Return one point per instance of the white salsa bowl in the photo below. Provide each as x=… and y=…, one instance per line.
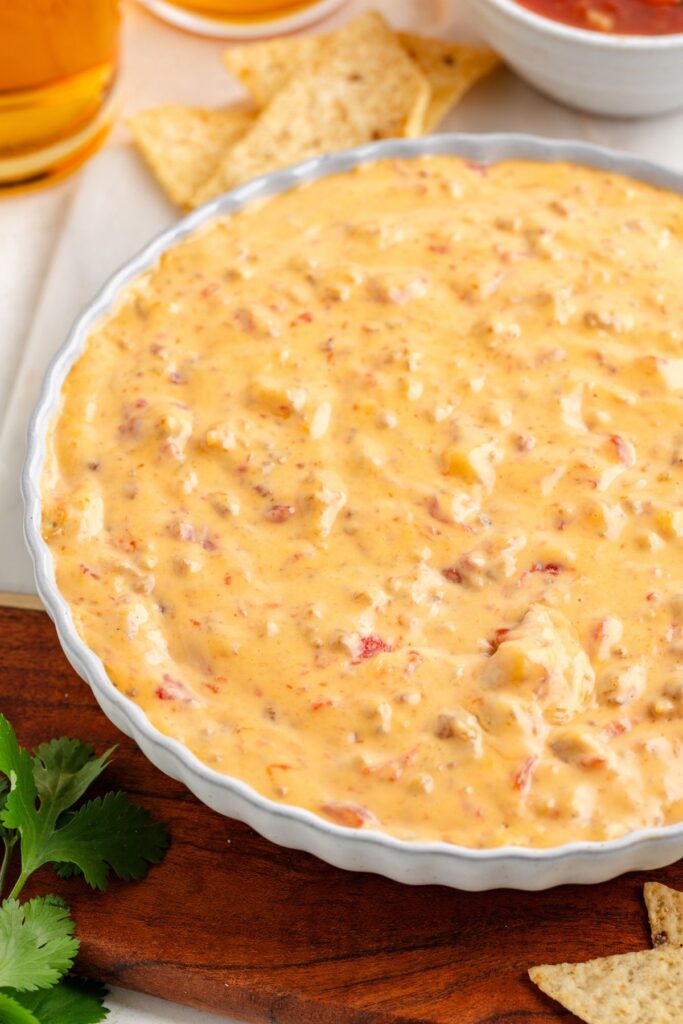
x=353, y=849
x=601, y=72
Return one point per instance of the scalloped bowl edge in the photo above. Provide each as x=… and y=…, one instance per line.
x=290, y=826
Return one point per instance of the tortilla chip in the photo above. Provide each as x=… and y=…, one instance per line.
x=263, y=68
x=183, y=145
x=450, y=69
x=665, y=911
x=632, y=988
x=360, y=86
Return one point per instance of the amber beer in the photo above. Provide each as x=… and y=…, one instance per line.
x=57, y=67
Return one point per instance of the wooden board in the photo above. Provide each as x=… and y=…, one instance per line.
x=232, y=923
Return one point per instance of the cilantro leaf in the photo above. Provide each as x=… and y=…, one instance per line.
x=75, y=1001
x=36, y=943
x=5, y=833
x=109, y=832
x=19, y=811
x=102, y=834
x=63, y=770
x=12, y=1012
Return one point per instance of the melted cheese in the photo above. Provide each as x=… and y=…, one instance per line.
x=372, y=496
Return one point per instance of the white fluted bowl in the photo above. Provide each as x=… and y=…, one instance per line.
x=601, y=72
x=357, y=850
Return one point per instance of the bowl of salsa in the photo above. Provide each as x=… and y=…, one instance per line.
x=619, y=17
x=620, y=58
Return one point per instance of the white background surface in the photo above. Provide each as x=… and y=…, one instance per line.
x=58, y=246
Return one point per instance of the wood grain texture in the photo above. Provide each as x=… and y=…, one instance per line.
x=231, y=923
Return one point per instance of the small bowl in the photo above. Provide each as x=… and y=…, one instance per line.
x=616, y=75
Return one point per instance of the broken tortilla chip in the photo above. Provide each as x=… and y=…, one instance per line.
x=450, y=69
x=665, y=911
x=360, y=86
x=631, y=988
x=183, y=145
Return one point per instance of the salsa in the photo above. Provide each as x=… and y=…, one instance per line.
x=627, y=17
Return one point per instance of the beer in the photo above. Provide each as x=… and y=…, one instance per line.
x=57, y=67
x=244, y=10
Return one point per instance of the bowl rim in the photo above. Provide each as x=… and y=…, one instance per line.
x=484, y=148
x=584, y=36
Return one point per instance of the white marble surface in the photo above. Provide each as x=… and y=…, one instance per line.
x=58, y=246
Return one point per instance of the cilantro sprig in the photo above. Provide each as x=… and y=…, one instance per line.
x=42, y=816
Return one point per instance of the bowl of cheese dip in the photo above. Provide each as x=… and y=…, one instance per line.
x=357, y=498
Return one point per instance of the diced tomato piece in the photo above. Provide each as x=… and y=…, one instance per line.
x=498, y=638
x=349, y=815
x=372, y=645
x=552, y=568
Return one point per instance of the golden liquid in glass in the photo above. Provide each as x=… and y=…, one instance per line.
x=57, y=66
x=243, y=10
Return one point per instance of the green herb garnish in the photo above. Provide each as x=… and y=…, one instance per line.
x=38, y=816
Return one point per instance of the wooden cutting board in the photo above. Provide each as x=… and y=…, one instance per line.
x=231, y=923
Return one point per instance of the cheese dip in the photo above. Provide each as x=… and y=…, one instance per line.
x=372, y=496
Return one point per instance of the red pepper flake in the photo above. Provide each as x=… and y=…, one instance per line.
x=616, y=728
x=212, y=687
x=279, y=513
x=552, y=568
x=209, y=545
x=452, y=574
x=521, y=779
x=173, y=689
x=439, y=247
x=141, y=403
x=625, y=450
x=209, y=290
x=595, y=761
x=227, y=579
x=87, y=571
x=498, y=638
x=316, y=705
x=302, y=318
x=195, y=622
x=652, y=596
x=370, y=646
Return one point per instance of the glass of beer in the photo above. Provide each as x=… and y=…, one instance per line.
x=241, y=19
x=58, y=63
